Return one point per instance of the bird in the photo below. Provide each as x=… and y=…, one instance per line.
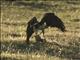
x=48, y=20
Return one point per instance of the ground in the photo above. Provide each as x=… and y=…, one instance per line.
x=57, y=46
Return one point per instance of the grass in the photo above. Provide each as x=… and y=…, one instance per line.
x=58, y=45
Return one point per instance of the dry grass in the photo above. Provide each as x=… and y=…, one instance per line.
x=58, y=45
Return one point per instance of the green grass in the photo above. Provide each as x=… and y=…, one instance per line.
x=58, y=45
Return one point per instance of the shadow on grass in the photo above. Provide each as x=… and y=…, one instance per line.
x=8, y=58
x=51, y=49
